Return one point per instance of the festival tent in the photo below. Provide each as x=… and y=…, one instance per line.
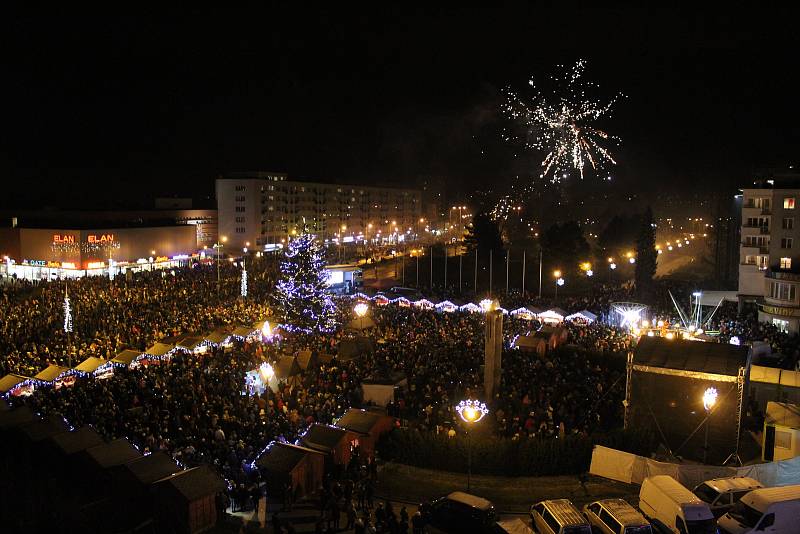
x=243, y=332
x=10, y=383
x=583, y=315
x=52, y=373
x=159, y=349
x=284, y=464
x=381, y=300
x=425, y=304
x=553, y=316
x=370, y=425
x=191, y=344
x=447, y=306
x=380, y=390
x=287, y=370
x=336, y=443
x=218, y=336
x=470, y=307
x=92, y=365
x=350, y=349
x=69, y=443
x=126, y=357
x=186, y=501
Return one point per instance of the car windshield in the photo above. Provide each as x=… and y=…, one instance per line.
x=644, y=529
x=745, y=515
x=702, y=526
x=706, y=493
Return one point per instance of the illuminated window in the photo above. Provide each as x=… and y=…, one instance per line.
x=788, y=203
x=782, y=325
x=786, y=263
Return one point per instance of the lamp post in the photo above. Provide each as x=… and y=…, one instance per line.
x=267, y=372
x=470, y=411
x=218, y=246
x=558, y=281
x=360, y=310
x=709, y=400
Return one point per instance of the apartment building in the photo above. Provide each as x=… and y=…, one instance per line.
x=265, y=209
x=769, y=254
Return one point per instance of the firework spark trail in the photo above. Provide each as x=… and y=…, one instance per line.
x=560, y=124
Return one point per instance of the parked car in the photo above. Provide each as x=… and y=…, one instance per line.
x=459, y=512
x=558, y=516
x=765, y=510
x=616, y=516
x=722, y=493
x=671, y=507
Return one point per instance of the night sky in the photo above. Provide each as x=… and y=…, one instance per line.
x=109, y=111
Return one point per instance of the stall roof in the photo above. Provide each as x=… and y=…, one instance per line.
x=189, y=343
x=195, y=483
x=218, y=336
x=583, y=314
x=283, y=457
x=323, y=437
x=350, y=349
x=117, y=452
x=76, y=441
x=306, y=358
x=9, y=382
x=19, y=416
x=392, y=379
x=244, y=331
x=126, y=357
x=90, y=364
x=159, y=349
x=697, y=356
x=41, y=430
x=783, y=414
x=152, y=467
x=287, y=366
x=51, y=372
x=360, y=421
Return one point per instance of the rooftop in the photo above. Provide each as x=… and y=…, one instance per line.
x=697, y=356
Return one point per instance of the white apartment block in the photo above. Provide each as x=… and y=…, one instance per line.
x=267, y=209
x=769, y=255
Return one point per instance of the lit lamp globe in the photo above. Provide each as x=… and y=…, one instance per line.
x=360, y=309
x=471, y=411
x=266, y=330
x=487, y=305
x=266, y=371
x=710, y=399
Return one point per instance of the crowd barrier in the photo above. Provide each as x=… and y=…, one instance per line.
x=633, y=469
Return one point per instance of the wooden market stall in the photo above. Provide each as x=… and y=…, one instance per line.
x=283, y=464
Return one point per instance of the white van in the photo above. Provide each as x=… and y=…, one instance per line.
x=672, y=508
x=766, y=510
x=722, y=493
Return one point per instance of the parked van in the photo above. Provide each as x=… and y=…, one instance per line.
x=765, y=510
x=459, y=512
x=616, y=516
x=673, y=508
x=722, y=493
x=558, y=516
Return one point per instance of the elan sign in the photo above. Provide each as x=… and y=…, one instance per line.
x=102, y=238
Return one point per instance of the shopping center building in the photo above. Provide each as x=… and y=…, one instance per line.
x=53, y=253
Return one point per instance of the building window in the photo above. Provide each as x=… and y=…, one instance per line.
x=788, y=223
x=786, y=242
x=241, y=188
x=239, y=209
x=788, y=203
x=763, y=262
x=239, y=230
x=786, y=263
x=782, y=291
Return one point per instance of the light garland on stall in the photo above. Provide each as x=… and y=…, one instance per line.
x=67, y=313
x=243, y=289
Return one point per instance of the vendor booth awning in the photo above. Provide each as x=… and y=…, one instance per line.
x=306, y=358
x=126, y=357
x=583, y=315
x=152, y=467
x=76, y=441
x=159, y=349
x=90, y=364
x=190, y=343
x=51, y=373
x=111, y=454
x=287, y=367
x=47, y=427
x=218, y=336
x=245, y=331
x=323, y=438
x=9, y=382
x=552, y=315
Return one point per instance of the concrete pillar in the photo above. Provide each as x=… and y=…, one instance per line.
x=493, y=353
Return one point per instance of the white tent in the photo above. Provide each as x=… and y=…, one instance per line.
x=583, y=315
x=447, y=306
x=470, y=307
x=553, y=316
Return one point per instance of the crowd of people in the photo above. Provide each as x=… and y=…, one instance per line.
x=195, y=406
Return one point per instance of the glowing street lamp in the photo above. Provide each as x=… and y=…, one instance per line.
x=559, y=281
x=267, y=372
x=266, y=331
x=470, y=411
x=709, y=401
x=487, y=305
x=360, y=310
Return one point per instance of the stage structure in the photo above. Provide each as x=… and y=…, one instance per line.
x=630, y=313
x=668, y=381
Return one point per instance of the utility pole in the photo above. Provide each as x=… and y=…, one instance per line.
x=540, y=271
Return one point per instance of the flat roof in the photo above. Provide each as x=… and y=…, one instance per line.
x=360, y=421
x=76, y=441
x=152, y=467
x=685, y=355
x=114, y=453
x=323, y=437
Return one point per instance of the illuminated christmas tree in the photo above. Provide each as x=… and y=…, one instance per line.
x=301, y=295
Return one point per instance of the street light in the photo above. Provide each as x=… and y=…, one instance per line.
x=361, y=310
x=218, y=245
x=487, y=305
x=558, y=279
x=709, y=400
x=470, y=411
x=267, y=372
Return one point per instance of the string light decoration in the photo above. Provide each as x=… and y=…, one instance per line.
x=244, y=281
x=67, y=312
x=301, y=294
x=559, y=123
x=471, y=411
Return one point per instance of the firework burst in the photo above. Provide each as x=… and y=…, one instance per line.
x=560, y=124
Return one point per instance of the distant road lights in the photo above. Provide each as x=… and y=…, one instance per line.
x=557, y=274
